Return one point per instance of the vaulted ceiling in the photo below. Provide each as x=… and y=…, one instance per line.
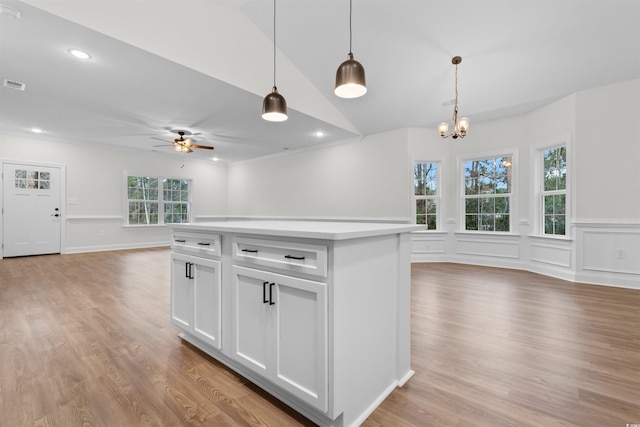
x=205, y=65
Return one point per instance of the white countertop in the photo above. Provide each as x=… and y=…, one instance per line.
x=328, y=230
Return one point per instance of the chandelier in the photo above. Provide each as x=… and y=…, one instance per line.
x=461, y=126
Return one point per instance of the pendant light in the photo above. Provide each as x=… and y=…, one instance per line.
x=350, y=81
x=461, y=126
x=274, y=106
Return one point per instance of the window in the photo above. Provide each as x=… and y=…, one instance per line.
x=148, y=197
x=32, y=180
x=487, y=194
x=554, y=191
x=425, y=183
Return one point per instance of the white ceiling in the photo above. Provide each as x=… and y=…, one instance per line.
x=517, y=55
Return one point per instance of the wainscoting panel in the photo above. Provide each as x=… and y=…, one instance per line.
x=613, y=251
x=557, y=254
x=488, y=246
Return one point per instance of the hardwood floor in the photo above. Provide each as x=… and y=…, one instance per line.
x=86, y=340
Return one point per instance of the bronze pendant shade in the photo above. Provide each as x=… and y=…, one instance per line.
x=274, y=107
x=350, y=79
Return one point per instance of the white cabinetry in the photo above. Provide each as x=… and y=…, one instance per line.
x=280, y=331
x=196, y=296
x=317, y=314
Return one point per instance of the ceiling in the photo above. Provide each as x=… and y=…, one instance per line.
x=205, y=65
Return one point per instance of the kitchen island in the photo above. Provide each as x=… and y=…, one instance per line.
x=315, y=313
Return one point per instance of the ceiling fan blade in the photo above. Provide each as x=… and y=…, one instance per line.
x=206, y=147
x=160, y=139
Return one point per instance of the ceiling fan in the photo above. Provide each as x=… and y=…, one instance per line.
x=185, y=145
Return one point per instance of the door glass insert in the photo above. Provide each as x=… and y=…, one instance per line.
x=32, y=179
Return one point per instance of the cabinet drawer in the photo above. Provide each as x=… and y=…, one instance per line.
x=198, y=244
x=287, y=256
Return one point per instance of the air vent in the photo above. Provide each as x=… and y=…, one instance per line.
x=12, y=84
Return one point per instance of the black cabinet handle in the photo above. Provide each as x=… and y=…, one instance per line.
x=180, y=241
x=204, y=244
x=253, y=251
x=264, y=292
x=271, y=293
x=300, y=258
x=188, y=270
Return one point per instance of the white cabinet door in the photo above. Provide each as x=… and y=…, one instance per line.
x=196, y=297
x=181, y=292
x=300, y=339
x=207, y=305
x=280, y=331
x=251, y=317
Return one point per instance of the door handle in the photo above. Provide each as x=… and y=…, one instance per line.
x=271, y=293
x=264, y=292
x=56, y=215
x=188, y=270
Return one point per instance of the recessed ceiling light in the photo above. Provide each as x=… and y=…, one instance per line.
x=215, y=159
x=319, y=134
x=80, y=54
x=36, y=130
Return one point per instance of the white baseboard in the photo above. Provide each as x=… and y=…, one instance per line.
x=116, y=247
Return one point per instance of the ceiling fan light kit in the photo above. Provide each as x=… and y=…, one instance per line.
x=350, y=78
x=460, y=127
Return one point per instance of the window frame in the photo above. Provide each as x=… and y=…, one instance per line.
x=161, y=201
x=437, y=197
x=539, y=191
x=512, y=197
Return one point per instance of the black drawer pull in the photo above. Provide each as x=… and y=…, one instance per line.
x=300, y=258
x=203, y=244
x=253, y=251
x=180, y=241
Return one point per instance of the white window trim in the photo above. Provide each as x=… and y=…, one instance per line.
x=439, y=192
x=537, y=167
x=160, y=176
x=514, y=198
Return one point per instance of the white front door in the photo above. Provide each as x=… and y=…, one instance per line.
x=32, y=208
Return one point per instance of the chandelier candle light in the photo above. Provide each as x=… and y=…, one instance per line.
x=274, y=106
x=461, y=126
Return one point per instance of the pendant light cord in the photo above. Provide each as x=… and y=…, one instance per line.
x=350, y=31
x=274, y=44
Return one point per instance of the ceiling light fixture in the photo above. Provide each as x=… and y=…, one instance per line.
x=36, y=130
x=274, y=106
x=350, y=80
x=80, y=54
x=459, y=127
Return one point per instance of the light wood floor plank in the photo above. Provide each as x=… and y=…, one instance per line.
x=86, y=340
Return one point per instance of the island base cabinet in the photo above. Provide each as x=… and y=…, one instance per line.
x=196, y=297
x=280, y=331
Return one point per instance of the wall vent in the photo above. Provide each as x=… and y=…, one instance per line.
x=12, y=84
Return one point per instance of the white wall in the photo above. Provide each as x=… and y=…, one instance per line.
x=95, y=189
x=367, y=179
x=602, y=246
x=370, y=179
